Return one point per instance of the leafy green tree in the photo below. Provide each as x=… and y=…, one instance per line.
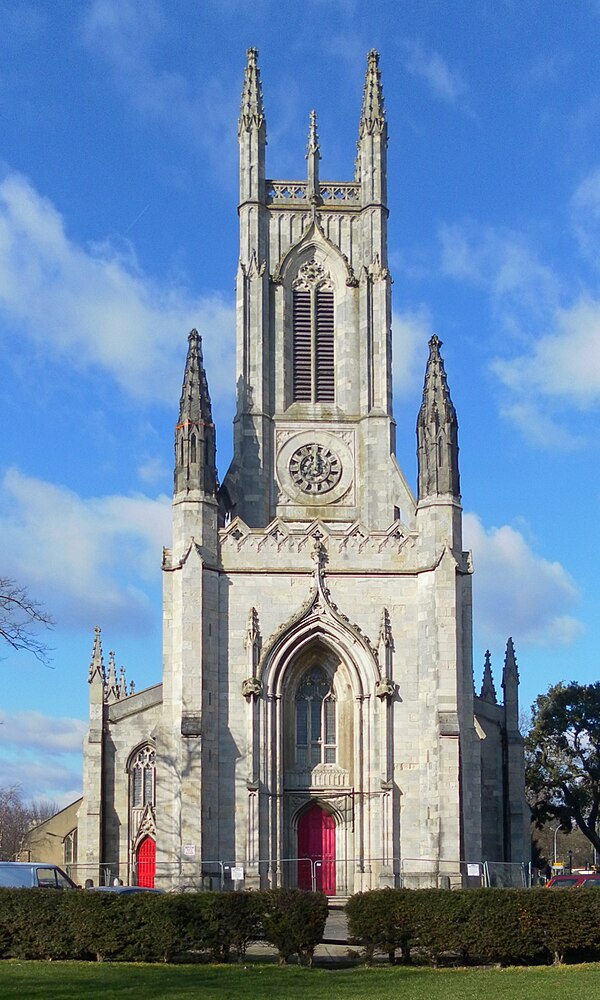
x=563, y=757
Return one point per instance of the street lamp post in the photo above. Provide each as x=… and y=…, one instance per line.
x=555, y=831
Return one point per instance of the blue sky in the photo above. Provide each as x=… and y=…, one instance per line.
x=118, y=230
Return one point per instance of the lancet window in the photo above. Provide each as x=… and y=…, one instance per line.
x=316, y=721
x=313, y=323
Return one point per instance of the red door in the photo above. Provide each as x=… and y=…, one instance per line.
x=146, y=863
x=316, y=844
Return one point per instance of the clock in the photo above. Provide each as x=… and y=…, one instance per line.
x=315, y=468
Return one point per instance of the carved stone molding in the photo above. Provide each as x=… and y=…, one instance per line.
x=252, y=688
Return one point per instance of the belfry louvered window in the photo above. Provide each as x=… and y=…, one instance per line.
x=313, y=337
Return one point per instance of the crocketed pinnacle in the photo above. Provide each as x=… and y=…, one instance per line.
x=252, y=112
x=488, y=691
x=437, y=431
x=96, y=671
x=194, y=406
x=372, y=117
x=510, y=674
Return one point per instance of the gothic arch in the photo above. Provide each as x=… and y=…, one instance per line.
x=360, y=664
x=314, y=243
x=325, y=804
x=149, y=743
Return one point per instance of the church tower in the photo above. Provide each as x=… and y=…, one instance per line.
x=316, y=725
x=314, y=430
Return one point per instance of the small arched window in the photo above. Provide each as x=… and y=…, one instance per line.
x=70, y=848
x=193, y=449
x=316, y=741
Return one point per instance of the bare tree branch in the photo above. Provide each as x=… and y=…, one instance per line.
x=20, y=617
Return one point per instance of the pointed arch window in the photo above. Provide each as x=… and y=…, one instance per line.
x=313, y=329
x=142, y=782
x=316, y=721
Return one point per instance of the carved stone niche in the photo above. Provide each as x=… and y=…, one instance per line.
x=191, y=725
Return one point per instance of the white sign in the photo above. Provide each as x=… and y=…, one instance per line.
x=473, y=870
x=189, y=850
x=237, y=873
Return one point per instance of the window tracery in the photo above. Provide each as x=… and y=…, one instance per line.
x=142, y=778
x=316, y=720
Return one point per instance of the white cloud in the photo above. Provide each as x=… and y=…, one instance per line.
x=555, y=361
x=50, y=781
x=501, y=262
x=585, y=216
x=129, y=37
x=516, y=591
x=445, y=84
x=564, y=363
x=411, y=331
x=86, y=560
x=94, y=307
x=33, y=730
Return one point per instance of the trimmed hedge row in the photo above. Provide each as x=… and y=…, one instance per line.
x=42, y=924
x=506, y=926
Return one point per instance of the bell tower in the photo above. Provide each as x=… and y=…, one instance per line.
x=314, y=418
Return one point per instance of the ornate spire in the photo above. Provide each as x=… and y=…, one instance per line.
x=252, y=111
x=194, y=405
x=313, y=156
x=437, y=431
x=195, y=466
x=96, y=671
x=488, y=691
x=372, y=117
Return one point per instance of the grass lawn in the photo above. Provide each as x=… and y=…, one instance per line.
x=58, y=980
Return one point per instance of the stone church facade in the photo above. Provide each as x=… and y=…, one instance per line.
x=316, y=724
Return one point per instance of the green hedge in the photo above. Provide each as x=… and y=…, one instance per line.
x=506, y=926
x=42, y=924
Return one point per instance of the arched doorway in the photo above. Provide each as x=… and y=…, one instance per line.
x=146, y=862
x=316, y=844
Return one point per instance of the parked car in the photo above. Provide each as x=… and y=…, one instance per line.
x=576, y=880
x=122, y=889
x=33, y=875
x=587, y=881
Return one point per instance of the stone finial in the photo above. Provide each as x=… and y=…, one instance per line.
x=313, y=156
x=252, y=642
x=96, y=671
x=385, y=629
x=488, y=691
x=111, y=689
x=251, y=111
x=372, y=118
x=437, y=431
x=122, y=683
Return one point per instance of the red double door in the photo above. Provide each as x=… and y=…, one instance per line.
x=316, y=850
x=146, y=863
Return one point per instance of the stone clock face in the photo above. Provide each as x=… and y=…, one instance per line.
x=315, y=469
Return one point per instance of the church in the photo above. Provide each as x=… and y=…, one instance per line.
x=317, y=723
